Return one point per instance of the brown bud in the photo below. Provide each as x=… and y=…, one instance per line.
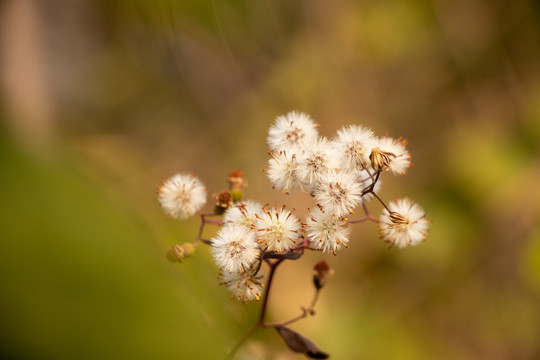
x=175, y=254
x=399, y=219
x=321, y=273
x=178, y=253
x=237, y=183
x=380, y=160
x=224, y=200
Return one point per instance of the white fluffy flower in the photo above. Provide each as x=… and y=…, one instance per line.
x=402, y=159
x=326, y=232
x=182, y=196
x=243, y=213
x=244, y=286
x=278, y=229
x=405, y=224
x=291, y=132
x=235, y=248
x=282, y=171
x=319, y=159
x=339, y=194
x=354, y=144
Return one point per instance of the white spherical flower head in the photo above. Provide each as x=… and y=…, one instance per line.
x=366, y=181
x=244, y=286
x=402, y=159
x=182, y=196
x=354, y=144
x=282, y=172
x=278, y=229
x=404, y=225
x=291, y=132
x=235, y=248
x=326, y=232
x=318, y=160
x=340, y=194
x=243, y=214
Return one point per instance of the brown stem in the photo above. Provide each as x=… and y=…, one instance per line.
x=214, y=222
x=205, y=221
x=370, y=188
x=382, y=202
x=366, y=211
x=273, y=266
x=356, y=221
x=305, y=312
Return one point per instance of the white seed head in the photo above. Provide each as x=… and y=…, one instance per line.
x=278, y=229
x=354, y=144
x=243, y=213
x=182, y=196
x=339, y=194
x=326, y=231
x=282, y=171
x=235, y=248
x=402, y=160
x=291, y=132
x=244, y=286
x=319, y=159
x=405, y=224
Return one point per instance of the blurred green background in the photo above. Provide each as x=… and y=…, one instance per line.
x=102, y=100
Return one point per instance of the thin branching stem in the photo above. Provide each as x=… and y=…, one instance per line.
x=366, y=218
x=380, y=200
x=205, y=221
x=305, y=312
x=273, y=266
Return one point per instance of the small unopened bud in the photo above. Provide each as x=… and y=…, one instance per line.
x=224, y=200
x=175, y=254
x=380, y=160
x=178, y=253
x=321, y=273
x=237, y=183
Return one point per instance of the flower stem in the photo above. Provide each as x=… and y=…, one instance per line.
x=356, y=221
x=273, y=266
x=205, y=221
x=305, y=312
x=382, y=202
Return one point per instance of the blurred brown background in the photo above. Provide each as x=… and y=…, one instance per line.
x=102, y=100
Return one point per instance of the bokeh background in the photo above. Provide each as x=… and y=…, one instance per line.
x=102, y=100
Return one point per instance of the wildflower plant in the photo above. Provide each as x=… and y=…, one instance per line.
x=341, y=174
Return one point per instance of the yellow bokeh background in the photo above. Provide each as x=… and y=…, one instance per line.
x=102, y=100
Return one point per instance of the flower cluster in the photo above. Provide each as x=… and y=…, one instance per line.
x=249, y=230
x=341, y=174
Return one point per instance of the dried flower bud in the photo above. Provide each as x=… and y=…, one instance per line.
x=175, y=254
x=178, y=253
x=380, y=160
x=321, y=273
x=224, y=200
x=237, y=183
